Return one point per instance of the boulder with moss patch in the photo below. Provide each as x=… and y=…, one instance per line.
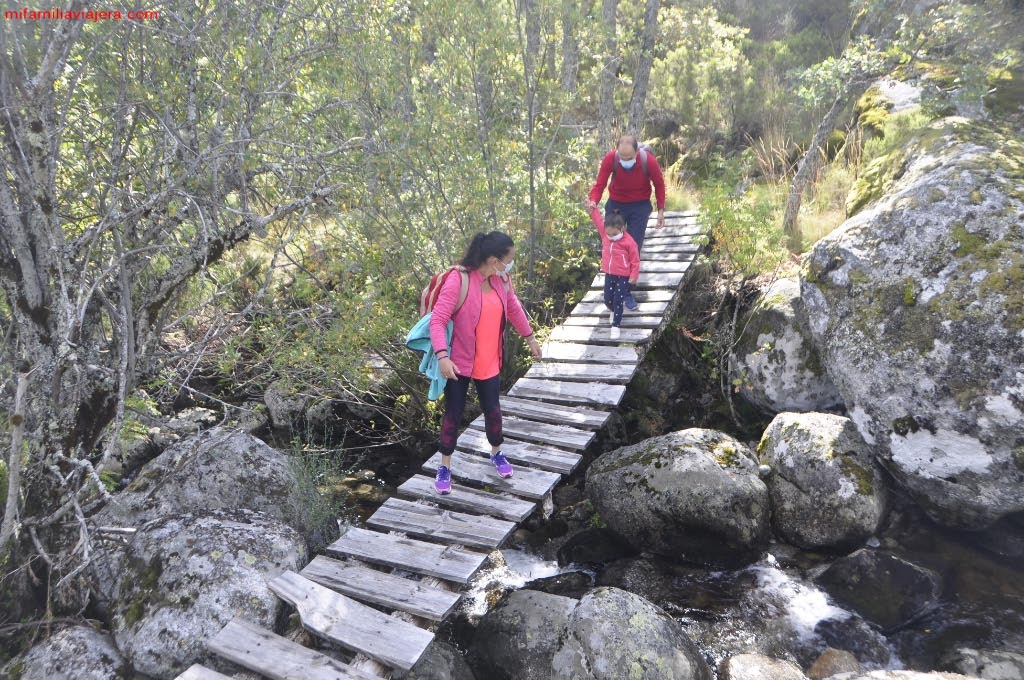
x=916, y=307
x=692, y=495
x=775, y=361
x=825, y=487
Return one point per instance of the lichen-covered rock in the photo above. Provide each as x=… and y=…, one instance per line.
x=613, y=634
x=916, y=307
x=76, y=653
x=216, y=469
x=988, y=664
x=692, y=495
x=775, y=361
x=900, y=675
x=881, y=587
x=517, y=639
x=825, y=488
x=757, y=667
x=185, y=576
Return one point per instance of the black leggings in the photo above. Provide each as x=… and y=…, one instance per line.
x=455, y=405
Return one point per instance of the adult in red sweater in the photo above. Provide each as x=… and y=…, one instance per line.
x=629, y=189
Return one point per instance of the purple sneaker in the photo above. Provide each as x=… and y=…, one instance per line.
x=500, y=462
x=443, y=481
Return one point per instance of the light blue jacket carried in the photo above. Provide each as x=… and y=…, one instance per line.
x=418, y=339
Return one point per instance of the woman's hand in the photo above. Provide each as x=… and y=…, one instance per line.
x=534, y=347
x=448, y=369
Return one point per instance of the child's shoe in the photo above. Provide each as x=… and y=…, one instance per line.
x=614, y=333
x=630, y=302
x=501, y=463
x=443, y=481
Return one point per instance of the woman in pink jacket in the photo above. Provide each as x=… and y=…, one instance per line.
x=476, y=351
x=620, y=262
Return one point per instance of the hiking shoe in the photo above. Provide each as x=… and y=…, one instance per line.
x=501, y=463
x=614, y=333
x=443, y=481
x=630, y=302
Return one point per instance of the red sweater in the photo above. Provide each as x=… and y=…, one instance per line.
x=629, y=186
x=622, y=257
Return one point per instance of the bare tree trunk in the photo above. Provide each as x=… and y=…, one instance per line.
x=812, y=160
x=570, y=52
x=643, y=67
x=10, y=520
x=531, y=48
x=609, y=76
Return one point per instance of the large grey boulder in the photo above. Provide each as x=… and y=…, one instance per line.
x=989, y=664
x=440, y=661
x=76, y=653
x=692, y=495
x=900, y=675
x=613, y=634
x=775, y=361
x=916, y=307
x=517, y=639
x=186, y=576
x=825, y=487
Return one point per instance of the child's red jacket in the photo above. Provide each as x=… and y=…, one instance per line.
x=621, y=257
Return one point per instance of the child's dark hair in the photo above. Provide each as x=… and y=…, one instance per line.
x=615, y=220
x=484, y=246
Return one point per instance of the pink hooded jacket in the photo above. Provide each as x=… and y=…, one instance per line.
x=466, y=319
x=621, y=257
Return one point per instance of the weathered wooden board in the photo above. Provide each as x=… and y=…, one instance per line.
x=563, y=392
x=525, y=482
x=611, y=373
x=380, y=587
x=598, y=308
x=655, y=295
x=662, y=266
x=352, y=625
x=629, y=320
x=682, y=254
x=683, y=249
x=535, y=455
x=576, y=416
x=197, y=672
x=600, y=335
x=572, y=438
x=647, y=281
x=573, y=352
x=469, y=499
x=276, y=657
x=440, y=524
x=449, y=563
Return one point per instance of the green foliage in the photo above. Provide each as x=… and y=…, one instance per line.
x=744, y=231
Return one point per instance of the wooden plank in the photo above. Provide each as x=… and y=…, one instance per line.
x=563, y=392
x=587, y=354
x=663, y=266
x=450, y=563
x=535, y=455
x=564, y=436
x=525, y=482
x=647, y=281
x=469, y=499
x=577, y=416
x=683, y=254
x=382, y=588
x=597, y=308
x=610, y=373
x=440, y=524
x=276, y=657
x=352, y=625
x=599, y=335
x=197, y=672
x=655, y=295
x=629, y=320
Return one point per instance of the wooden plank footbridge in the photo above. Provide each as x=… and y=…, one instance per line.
x=381, y=589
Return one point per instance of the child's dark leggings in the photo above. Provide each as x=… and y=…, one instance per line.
x=615, y=290
x=455, y=405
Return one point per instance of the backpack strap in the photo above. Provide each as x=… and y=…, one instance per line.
x=464, y=289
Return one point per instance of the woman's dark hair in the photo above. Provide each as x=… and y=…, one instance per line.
x=615, y=220
x=484, y=246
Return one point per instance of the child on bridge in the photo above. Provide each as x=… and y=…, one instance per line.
x=620, y=261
